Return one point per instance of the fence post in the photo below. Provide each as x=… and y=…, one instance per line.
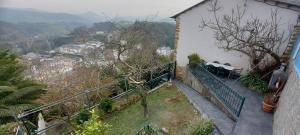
x=175, y=66
x=26, y=127
x=87, y=98
x=126, y=86
x=240, y=107
x=169, y=68
x=151, y=76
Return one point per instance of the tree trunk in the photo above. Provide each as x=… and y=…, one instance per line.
x=146, y=111
x=254, y=65
x=145, y=105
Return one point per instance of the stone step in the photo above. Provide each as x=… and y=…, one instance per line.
x=207, y=109
x=288, y=50
x=297, y=25
x=290, y=44
x=285, y=56
x=293, y=37
x=292, y=40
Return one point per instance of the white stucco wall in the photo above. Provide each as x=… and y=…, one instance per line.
x=193, y=40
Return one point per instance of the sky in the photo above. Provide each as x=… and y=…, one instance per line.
x=164, y=8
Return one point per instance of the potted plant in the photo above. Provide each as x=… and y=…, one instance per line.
x=194, y=59
x=270, y=100
x=269, y=103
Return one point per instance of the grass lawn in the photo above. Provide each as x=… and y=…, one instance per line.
x=168, y=108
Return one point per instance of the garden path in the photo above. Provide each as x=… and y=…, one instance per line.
x=252, y=120
x=207, y=109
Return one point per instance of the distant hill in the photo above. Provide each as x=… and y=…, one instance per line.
x=21, y=31
x=27, y=37
x=17, y=15
x=14, y=15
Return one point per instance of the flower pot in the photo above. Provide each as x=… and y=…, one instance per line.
x=268, y=107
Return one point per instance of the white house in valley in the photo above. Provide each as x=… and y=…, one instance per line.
x=190, y=38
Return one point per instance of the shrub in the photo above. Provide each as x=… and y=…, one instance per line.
x=194, y=59
x=120, y=105
x=205, y=127
x=165, y=59
x=253, y=81
x=133, y=98
x=123, y=83
x=106, y=104
x=7, y=129
x=82, y=116
x=93, y=126
x=100, y=113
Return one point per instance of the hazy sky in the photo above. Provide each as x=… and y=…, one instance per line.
x=163, y=8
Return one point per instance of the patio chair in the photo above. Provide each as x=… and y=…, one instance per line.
x=227, y=64
x=222, y=72
x=235, y=73
x=212, y=69
x=216, y=62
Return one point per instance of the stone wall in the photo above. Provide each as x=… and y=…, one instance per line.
x=287, y=115
x=176, y=37
x=200, y=87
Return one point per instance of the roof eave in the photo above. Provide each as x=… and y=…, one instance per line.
x=176, y=15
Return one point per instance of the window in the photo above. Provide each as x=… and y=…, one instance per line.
x=296, y=55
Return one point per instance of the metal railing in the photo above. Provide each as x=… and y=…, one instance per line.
x=157, y=76
x=232, y=100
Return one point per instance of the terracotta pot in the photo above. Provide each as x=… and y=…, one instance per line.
x=268, y=107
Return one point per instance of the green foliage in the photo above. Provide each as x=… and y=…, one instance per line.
x=194, y=58
x=93, y=126
x=83, y=116
x=159, y=33
x=253, y=81
x=123, y=83
x=205, y=127
x=106, y=105
x=7, y=129
x=16, y=93
x=165, y=59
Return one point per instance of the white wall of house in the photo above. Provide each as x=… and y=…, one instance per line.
x=193, y=40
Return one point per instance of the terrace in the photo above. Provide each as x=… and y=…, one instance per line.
x=237, y=108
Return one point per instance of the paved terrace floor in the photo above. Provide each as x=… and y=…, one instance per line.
x=252, y=120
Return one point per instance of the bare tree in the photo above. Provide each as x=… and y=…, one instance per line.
x=136, y=52
x=251, y=36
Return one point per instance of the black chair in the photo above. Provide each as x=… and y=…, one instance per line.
x=227, y=64
x=212, y=69
x=216, y=62
x=222, y=72
x=236, y=73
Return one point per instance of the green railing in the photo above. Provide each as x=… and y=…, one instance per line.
x=231, y=99
x=153, y=76
x=159, y=75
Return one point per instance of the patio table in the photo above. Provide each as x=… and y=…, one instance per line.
x=230, y=68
